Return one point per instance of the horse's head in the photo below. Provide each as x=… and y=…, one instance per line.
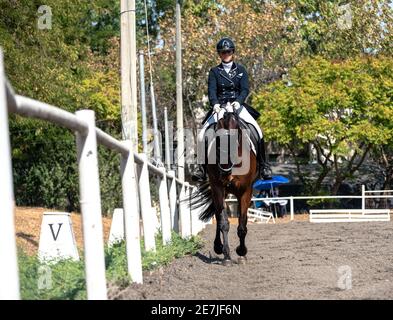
x=227, y=132
x=229, y=119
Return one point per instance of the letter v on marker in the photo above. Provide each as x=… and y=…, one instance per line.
x=58, y=230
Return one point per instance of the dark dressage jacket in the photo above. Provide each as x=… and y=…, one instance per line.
x=224, y=87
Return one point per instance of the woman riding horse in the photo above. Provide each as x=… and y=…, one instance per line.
x=228, y=82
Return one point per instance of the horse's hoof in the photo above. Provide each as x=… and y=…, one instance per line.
x=242, y=260
x=227, y=262
x=241, y=251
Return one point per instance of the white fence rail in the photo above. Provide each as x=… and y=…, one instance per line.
x=174, y=213
x=349, y=215
x=292, y=199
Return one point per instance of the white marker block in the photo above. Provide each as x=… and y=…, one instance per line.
x=57, y=240
x=116, y=233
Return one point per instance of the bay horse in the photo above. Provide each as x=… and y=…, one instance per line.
x=224, y=179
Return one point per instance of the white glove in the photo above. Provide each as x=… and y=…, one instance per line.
x=235, y=105
x=216, y=108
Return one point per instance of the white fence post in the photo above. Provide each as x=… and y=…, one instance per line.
x=172, y=202
x=9, y=272
x=291, y=208
x=164, y=208
x=116, y=232
x=145, y=205
x=363, y=198
x=90, y=201
x=131, y=215
x=185, y=227
x=196, y=225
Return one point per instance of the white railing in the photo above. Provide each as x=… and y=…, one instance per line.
x=349, y=215
x=292, y=199
x=175, y=214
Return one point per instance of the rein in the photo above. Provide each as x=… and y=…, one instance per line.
x=226, y=133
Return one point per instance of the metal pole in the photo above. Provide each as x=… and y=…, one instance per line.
x=363, y=198
x=131, y=215
x=167, y=151
x=90, y=200
x=179, y=96
x=125, y=69
x=193, y=224
x=157, y=152
x=134, y=93
x=291, y=208
x=143, y=100
x=128, y=71
x=9, y=272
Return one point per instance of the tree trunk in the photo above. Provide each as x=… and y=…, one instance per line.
x=322, y=176
x=336, y=186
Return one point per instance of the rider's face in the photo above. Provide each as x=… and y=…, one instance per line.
x=226, y=56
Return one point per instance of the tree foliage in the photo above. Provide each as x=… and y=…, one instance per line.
x=58, y=66
x=343, y=108
x=75, y=65
x=342, y=29
x=266, y=45
x=271, y=37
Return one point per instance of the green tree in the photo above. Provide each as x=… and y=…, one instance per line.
x=58, y=66
x=383, y=156
x=268, y=44
x=342, y=29
x=342, y=108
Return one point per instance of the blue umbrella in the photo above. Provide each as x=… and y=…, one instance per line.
x=269, y=184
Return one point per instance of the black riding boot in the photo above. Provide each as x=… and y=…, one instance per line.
x=200, y=172
x=264, y=168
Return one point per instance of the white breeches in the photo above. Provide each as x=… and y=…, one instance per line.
x=244, y=114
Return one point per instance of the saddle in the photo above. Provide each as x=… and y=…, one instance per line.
x=252, y=134
x=254, y=113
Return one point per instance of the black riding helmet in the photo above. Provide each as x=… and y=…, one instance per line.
x=225, y=44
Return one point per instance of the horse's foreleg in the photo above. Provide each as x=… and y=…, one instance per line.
x=217, y=240
x=244, y=202
x=222, y=225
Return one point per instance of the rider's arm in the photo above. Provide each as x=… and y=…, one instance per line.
x=244, y=87
x=212, y=88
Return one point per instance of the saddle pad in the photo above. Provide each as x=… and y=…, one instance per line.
x=251, y=132
x=247, y=122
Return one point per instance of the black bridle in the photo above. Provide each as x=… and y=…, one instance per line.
x=225, y=133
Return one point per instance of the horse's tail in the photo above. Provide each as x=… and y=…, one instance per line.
x=202, y=197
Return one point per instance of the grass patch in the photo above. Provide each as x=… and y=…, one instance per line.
x=165, y=254
x=65, y=279
x=62, y=280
